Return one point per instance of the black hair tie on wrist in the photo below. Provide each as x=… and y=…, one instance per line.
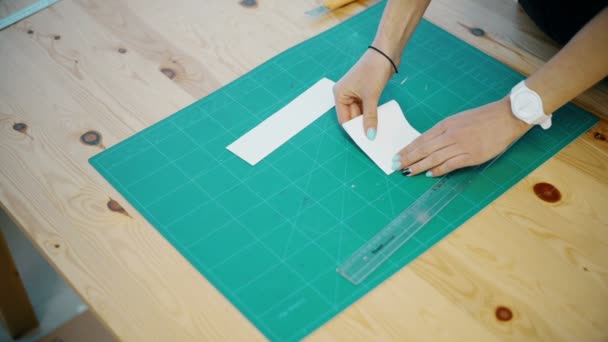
x=387, y=57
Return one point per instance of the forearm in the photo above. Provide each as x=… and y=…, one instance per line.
x=578, y=66
x=399, y=21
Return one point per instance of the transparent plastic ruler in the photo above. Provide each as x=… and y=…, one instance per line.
x=402, y=228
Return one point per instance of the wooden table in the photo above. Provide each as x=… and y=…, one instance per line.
x=523, y=269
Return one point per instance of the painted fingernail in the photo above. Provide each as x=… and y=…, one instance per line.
x=406, y=172
x=371, y=133
x=396, y=165
x=396, y=158
x=429, y=173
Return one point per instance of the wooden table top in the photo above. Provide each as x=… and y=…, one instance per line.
x=525, y=268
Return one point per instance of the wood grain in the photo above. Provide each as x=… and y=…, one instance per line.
x=119, y=66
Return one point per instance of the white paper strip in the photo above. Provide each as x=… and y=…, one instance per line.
x=273, y=132
x=394, y=133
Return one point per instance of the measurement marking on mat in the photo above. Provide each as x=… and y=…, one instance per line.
x=292, y=308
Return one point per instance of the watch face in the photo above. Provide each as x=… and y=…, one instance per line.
x=526, y=106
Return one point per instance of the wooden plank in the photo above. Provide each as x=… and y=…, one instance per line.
x=155, y=295
x=15, y=306
x=89, y=65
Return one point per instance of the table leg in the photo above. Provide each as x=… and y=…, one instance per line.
x=15, y=305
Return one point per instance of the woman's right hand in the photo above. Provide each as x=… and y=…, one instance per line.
x=359, y=90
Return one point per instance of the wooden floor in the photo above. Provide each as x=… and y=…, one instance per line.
x=523, y=269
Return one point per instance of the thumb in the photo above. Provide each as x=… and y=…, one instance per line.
x=370, y=118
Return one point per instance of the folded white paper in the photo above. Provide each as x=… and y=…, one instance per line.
x=393, y=134
x=271, y=133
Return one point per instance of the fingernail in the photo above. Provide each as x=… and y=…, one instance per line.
x=406, y=172
x=371, y=133
x=429, y=173
x=396, y=165
x=396, y=158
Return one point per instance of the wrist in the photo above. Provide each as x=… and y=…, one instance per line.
x=517, y=126
x=550, y=103
x=390, y=49
x=381, y=65
x=388, y=58
x=399, y=20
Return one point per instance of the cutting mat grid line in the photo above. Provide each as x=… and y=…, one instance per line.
x=270, y=237
x=281, y=260
x=196, y=261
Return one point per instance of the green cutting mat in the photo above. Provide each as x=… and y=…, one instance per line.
x=270, y=237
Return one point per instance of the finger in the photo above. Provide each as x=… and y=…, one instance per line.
x=370, y=118
x=457, y=162
x=343, y=112
x=425, y=149
x=342, y=104
x=419, y=143
x=434, y=159
x=355, y=110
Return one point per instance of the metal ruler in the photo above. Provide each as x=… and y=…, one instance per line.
x=25, y=12
x=402, y=228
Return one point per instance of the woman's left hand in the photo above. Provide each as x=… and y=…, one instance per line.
x=469, y=138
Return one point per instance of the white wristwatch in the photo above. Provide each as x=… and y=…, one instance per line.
x=527, y=106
